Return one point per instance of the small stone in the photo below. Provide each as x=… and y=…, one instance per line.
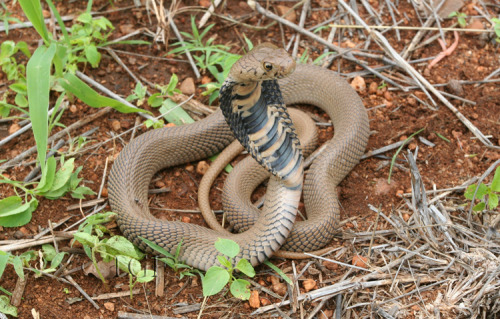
x=265, y=301
x=406, y=217
x=187, y=86
x=309, y=284
x=14, y=128
x=170, y=125
x=382, y=187
x=456, y=87
x=372, y=89
x=204, y=3
x=254, y=300
x=25, y=231
x=330, y=265
x=274, y=280
x=403, y=138
x=412, y=101
x=474, y=24
x=360, y=261
x=205, y=79
x=185, y=219
x=280, y=288
x=202, y=167
x=73, y=108
x=388, y=96
x=412, y=146
x=358, y=83
x=282, y=10
x=18, y=234
x=348, y=44
x=190, y=168
x=110, y=306
x=399, y=193
x=125, y=124
x=116, y=125
x=160, y=184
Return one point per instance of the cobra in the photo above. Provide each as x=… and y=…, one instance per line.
x=253, y=100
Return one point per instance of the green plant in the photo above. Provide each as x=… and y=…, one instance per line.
x=15, y=72
x=117, y=248
x=172, y=261
x=51, y=67
x=139, y=94
x=496, y=28
x=382, y=85
x=217, y=277
x=6, y=18
x=212, y=57
x=460, y=18
x=18, y=262
x=16, y=210
x=487, y=195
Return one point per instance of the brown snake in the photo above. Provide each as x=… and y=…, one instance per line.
x=157, y=149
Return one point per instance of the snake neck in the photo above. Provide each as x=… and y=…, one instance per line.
x=257, y=115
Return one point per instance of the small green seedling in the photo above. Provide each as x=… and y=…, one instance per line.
x=217, y=277
x=6, y=18
x=170, y=260
x=139, y=94
x=132, y=266
x=496, y=28
x=460, y=17
x=114, y=248
x=382, y=85
x=487, y=195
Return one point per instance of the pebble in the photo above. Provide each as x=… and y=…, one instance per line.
x=474, y=24
x=412, y=101
x=110, y=306
x=115, y=125
x=382, y=187
x=372, y=89
x=399, y=193
x=265, y=301
x=330, y=265
x=204, y=3
x=187, y=86
x=360, y=261
x=73, y=108
x=205, y=79
x=185, y=219
x=190, y=168
x=202, y=167
x=309, y=284
x=18, y=234
x=325, y=314
x=359, y=84
x=14, y=128
x=291, y=16
x=280, y=288
x=254, y=300
x=406, y=217
x=388, y=96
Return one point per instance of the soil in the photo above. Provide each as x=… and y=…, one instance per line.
x=450, y=162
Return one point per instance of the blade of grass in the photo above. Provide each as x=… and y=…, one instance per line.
x=38, y=80
x=399, y=150
x=33, y=11
x=71, y=83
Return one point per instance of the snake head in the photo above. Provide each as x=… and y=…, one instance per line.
x=264, y=62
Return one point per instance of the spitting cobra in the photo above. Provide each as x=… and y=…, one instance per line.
x=252, y=109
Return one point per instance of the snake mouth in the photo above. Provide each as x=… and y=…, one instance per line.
x=258, y=117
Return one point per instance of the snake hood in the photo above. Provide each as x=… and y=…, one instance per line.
x=253, y=106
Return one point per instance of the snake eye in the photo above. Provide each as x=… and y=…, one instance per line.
x=268, y=66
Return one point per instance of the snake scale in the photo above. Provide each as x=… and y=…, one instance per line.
x=254, y=107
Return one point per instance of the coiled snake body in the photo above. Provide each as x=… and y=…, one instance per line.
x=262, y=124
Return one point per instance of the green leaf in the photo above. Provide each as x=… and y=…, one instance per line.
x=493, y=201
x=48, y=175
x=49, y=252
x=84, y=18
x=56, y=261
x=215, y=279
x=128, y=264
x=495, y=183
x=481, y=192
x=157, y=248
x=74, y=85
x=278, y=271
x=119, y=245
x=81, y=191
x=146, y=275
x=13, y=214
x=92, y=55
x=33, y=11
x=155, y=100
x=38, y=81
x=239, y=289
x=173, y=113
x=63, y=175
x=245, y=267
x=224, y=262
x=4, y=258
x=6, y=307
x=227, y=247
x=86, y=239
x=18, y=266
x=479, y=207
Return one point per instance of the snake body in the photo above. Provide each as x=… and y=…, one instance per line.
x=157, y=149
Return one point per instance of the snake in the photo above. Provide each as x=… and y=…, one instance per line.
x=253, y=109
